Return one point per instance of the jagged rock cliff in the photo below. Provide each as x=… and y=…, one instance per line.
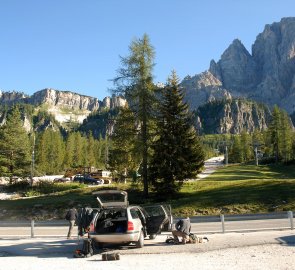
x=267, y=75
x=232, y=116
x=65, y=106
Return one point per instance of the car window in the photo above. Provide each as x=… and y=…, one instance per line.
x=154, y=211
x=134, y=213
x=140, y=214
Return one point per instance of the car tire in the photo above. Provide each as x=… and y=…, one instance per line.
x=152, y=236
x=140, y=242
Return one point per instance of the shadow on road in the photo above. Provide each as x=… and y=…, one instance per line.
x=287, y=240
x=41, y=249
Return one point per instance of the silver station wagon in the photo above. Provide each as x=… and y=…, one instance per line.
x=116, y=222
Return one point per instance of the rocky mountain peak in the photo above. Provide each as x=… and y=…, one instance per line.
x=267, y=75
x=235, y=49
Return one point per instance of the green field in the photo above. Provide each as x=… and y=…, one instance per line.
x=234, y=189
x=237, y=189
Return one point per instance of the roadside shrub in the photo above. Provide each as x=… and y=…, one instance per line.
x=267, y=160
x=46, y=187
x=18, y=186
x=32, y=193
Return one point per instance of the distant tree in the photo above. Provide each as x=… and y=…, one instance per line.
x=274, y=132
x=281, y=135
x=236, y=151
x=69, y=151
x=50, y=152
x=100, y=150
x=79, y=154
x=135, y=82
x=286, y=136
x=246, y=146
x=15, y=149
x=177, y=152
x=90, y=151
x=123, y=156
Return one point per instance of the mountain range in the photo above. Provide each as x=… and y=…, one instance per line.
x=266, y=75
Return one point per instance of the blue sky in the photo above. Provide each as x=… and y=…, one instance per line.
x=75, y=44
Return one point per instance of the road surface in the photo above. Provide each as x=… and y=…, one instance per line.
x=273, y=250
x=211, y=165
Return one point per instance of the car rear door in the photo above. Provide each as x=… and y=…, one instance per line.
x=157, y=217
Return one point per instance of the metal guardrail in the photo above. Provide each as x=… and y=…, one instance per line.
x=223, y=220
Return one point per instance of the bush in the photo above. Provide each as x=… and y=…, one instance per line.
x=32, y=193
x=46, y=187
x=18, y=186
x=267, y=160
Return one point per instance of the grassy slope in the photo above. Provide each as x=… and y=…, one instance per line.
x=240, y=189
x=232, y=189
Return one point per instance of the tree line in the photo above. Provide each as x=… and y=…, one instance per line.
x=276, y=144
x=49, y=150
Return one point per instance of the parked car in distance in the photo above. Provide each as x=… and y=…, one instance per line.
x=87, y=180
x=61, y=180
x=116, y=222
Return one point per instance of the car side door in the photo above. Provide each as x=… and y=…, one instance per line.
x=157, y=217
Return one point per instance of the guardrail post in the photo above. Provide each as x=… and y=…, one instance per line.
x=32, y=228
x=222, y=223
x=290, y=216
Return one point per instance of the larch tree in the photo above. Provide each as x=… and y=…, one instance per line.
x=135, y=82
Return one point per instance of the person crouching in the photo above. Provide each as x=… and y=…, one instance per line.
x=182, y=229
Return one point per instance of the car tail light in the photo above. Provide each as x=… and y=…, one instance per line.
x=91, y=227
x=130, y=226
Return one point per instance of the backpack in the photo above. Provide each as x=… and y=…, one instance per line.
x=68, y=215
x=193, y=238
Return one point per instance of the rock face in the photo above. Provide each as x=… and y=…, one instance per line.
x=267, y=75
x=11, y=97
x=202, y=88
x=65, y=106
x=232, y=116
x=64, y=99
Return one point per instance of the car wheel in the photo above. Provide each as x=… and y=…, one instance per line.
x=140, y=242
x=152, y=236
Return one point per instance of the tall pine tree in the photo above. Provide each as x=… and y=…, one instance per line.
x=177, y=152
x=15, y=150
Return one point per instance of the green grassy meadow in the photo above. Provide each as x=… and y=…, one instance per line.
x=234, y=189
x=238, y=189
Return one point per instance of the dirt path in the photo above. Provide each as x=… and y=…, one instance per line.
x=211, y=165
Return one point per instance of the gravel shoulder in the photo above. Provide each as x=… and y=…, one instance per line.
x=256, y=250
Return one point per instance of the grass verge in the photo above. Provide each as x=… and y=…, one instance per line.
x=234, y=189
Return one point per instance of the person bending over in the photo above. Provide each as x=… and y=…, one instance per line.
x=182, y=229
